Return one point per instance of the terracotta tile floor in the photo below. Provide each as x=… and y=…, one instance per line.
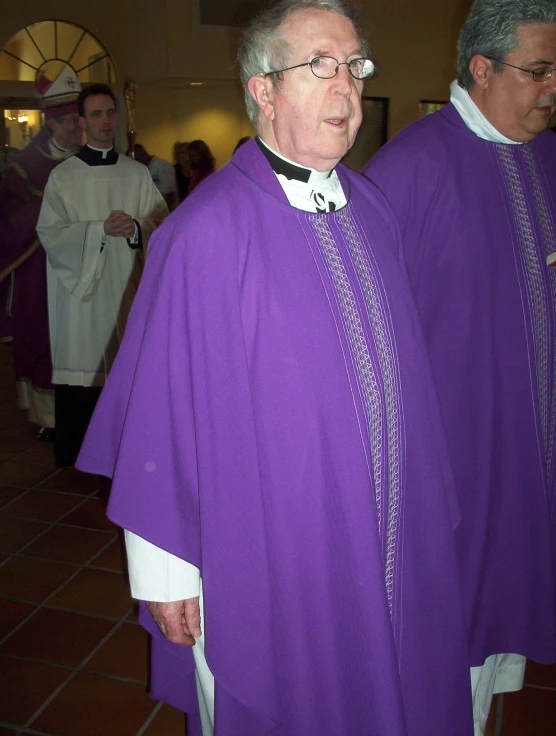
x=73, y=661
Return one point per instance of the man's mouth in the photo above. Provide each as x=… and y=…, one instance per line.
x=338, y=122
x=546, y=108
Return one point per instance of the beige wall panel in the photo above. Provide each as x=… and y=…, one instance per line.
x=148, y=45
x=414, y=43
x=214, y=115
x=198, y=52
x=156, y=120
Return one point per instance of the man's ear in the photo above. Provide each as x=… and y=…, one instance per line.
x=482, y=69
x=261, y=90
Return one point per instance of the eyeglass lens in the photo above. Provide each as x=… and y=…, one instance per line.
x=327, y=67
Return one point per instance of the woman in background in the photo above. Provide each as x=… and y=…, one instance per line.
x=181, y=167
x=201, y=163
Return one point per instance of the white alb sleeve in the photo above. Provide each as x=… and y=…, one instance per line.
x=158, y=575
x=135, y=239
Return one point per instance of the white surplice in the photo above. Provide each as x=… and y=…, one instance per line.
x=92, y=278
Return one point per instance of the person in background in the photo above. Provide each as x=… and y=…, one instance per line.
x=242, y=141
x=98, y=212
x=11, y=154
x=7, y=157
x=201, y=163
x=162, y=173
x=22, y=260
x=272, y=432
x=473, y=187
x=181, y=167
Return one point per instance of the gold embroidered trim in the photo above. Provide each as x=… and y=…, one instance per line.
x=25, y=176
x=21, y=260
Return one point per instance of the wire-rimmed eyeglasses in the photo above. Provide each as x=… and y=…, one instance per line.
x=540, y=74
x=326, y=67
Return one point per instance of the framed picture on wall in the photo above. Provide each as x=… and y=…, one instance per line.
x=372, y=134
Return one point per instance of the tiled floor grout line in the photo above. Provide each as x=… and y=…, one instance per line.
x=17, y=730
x=50, y=525
x=540, y=687
x=57, y=523
x=16, y=457
x=20, y=552
x=79, y=667
x=150, y=718
x=10, y=727
x=9, y=556
x=47, y=702
x=44, y=490
x=113, y=619
x=44, y=480
x=55, y=592
x=85, y=496
x=89, y=564
x=75, y=672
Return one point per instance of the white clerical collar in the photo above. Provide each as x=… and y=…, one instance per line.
x=310, y=176
x=104, y=151
x=474, y=118
x=321, y=193
x=58, y=147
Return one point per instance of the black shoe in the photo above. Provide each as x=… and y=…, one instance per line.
x=46, y=434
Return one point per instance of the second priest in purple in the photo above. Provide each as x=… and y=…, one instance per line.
x=474, y=191
x=272, y=431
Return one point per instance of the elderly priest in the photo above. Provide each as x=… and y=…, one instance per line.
x=272, y=433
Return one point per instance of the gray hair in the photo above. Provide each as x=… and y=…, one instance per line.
x=263, y=49
x=491, y=30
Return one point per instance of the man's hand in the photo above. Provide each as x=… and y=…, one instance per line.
x=119, y=225
x=179, y=621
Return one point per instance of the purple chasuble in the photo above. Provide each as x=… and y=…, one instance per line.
x=271, y=419
x=478, y=221
x=21, y=192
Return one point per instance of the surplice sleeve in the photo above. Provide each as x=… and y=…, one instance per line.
x=75, y=250
x=154, y=210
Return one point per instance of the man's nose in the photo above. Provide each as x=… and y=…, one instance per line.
x=343, y=81
x=550, y=85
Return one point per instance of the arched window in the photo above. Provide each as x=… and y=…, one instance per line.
x=55, y=40
x=43, y=47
